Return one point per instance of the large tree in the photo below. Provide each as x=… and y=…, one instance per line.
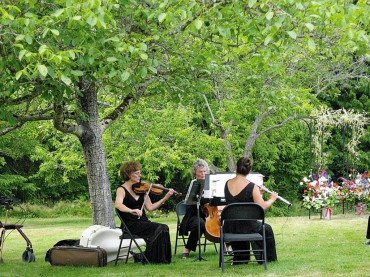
x=267, y=61
x=81, y=64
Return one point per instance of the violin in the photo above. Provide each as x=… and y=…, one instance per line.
x=156, y=189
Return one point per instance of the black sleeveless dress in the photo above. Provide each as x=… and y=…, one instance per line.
x=156, y=235
x=246, y=195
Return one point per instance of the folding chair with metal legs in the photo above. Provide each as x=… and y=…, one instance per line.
x=180, y=240
x=126, y=234
x=238, y=214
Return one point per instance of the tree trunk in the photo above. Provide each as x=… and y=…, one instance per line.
x=94, y=154
x=253, y=135
x=229, y=157
x=224, y=135
x=99, y=185
x=249, y=145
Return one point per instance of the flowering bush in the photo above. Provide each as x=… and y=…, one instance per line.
x=347, y=190
x=358, y=190
x=322, y=192
x=319, y=192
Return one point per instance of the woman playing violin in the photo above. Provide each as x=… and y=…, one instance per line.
x=129, y=205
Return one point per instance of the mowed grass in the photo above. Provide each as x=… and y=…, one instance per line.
x=305, y=247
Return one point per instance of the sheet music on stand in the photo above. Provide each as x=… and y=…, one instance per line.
x=195, y=189
x=215, y=183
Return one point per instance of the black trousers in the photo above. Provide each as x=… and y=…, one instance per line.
x=245, y=245
x=368, y=229
x=192, y=226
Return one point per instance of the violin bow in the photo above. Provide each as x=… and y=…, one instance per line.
x=145, y=197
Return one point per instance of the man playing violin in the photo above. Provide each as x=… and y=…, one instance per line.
x=130, y=204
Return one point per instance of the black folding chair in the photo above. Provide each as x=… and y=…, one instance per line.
x=181, y=239
x=236, y=214
x=126, y=234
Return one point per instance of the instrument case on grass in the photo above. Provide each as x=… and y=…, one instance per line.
x=77, y=256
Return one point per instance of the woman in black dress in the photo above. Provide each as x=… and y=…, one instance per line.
x=239, y=189
x=129, y=206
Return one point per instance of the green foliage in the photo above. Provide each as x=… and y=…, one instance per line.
x=246, y=57
x=9, y=183
x=61, y=168
x=76, y=208
x=164, y=140
x=42, y=165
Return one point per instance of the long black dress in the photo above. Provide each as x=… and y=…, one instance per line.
x=156, y=235
x=246, y=195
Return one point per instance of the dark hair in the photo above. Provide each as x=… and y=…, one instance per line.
x=244, y=166
x=127, y=168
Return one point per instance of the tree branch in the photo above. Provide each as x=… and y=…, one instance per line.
x=118, y=111
x=282, y=123
x=125, y=104
x=4, y=131
x=23, y=99
x=59, y=121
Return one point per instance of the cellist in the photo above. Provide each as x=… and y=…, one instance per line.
x=189, y=223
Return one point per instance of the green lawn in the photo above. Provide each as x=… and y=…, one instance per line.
x=305, y=247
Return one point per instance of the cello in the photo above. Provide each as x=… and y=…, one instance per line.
x=213, y=223
x=213, y=217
